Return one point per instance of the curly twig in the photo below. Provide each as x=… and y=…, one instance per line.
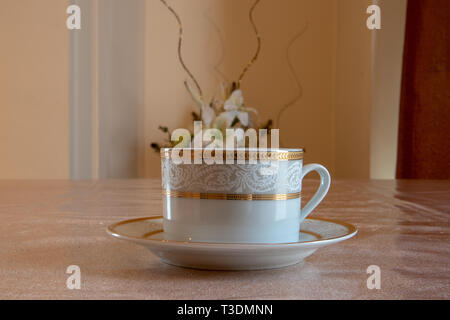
x=180, y=42
x=291, y=68
x=258, y=49
x=222, y=51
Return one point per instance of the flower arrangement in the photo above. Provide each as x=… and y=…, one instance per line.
x=228, y=111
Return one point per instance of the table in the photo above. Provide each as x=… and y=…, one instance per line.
x=50, y=225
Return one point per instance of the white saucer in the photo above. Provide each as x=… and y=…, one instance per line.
x=315, y=233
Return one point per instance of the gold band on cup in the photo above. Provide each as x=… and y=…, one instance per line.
x=166, y=153
x=225, y=196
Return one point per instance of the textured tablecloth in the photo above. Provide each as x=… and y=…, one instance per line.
x=48, y=225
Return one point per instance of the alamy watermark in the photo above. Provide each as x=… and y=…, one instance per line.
x=74, y=280
x=74, y=20
x=374, y=20
x=374, y=280
x=211, y=147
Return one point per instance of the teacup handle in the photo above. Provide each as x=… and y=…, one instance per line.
x=325, y=181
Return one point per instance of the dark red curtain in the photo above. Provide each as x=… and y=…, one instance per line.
x=424, y=128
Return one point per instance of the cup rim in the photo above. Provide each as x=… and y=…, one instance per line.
x=279, y=150
x=271, y=154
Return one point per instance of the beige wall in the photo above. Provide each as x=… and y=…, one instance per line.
x=34, y=73
x=346, y=118
x=352, y=91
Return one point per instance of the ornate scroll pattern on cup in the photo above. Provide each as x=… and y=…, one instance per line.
x=233, y=178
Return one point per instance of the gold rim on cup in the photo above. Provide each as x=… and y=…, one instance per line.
x=210, y=154
x=225, y=196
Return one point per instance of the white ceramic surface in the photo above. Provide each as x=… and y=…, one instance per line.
x=316, y=233
x=235, y=221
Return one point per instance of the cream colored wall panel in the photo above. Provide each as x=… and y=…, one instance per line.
x=352, y=91
x=34, y=93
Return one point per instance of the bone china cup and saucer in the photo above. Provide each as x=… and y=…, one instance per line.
x=235, y=210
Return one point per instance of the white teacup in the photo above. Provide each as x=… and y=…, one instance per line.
x=258, y=201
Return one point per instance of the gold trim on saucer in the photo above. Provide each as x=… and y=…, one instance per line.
x=351, y=231
x=225, y=196
x=279, y=155
x=152, y=233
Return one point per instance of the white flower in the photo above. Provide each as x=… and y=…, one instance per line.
x=234, y=108
x=208, y=114
x=221, y=122
x=235, y=101
x=229, y=117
